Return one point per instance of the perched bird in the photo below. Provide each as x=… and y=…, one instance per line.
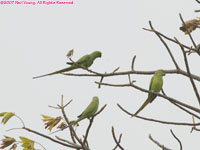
x=155, y=86
x=85, y=61
x=190, y=25
x=87, y=113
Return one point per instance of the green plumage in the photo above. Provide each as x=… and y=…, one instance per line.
x=85, y=61
x=155, y=86
x=89, y=111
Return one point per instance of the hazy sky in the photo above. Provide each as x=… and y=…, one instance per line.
x=34, y=40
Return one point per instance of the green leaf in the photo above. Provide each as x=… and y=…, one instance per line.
x=2, y=114
x=27, y=143
x=7, y=116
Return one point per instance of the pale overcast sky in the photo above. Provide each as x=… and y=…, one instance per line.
x=34, y=40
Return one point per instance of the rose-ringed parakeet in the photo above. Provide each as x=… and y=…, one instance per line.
x=155, y=86
x=85, y=61
x=87, y=113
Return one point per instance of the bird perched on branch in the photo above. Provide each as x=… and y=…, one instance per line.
x=87, y=113
x=85, y=61
x=155, y=86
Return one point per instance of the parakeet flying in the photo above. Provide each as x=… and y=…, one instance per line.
x=155, y=86
x=87, y=113
x=85, y=61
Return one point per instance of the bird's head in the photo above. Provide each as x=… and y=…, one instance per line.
x=160, y=72
x=96, y=54
x=95, y=99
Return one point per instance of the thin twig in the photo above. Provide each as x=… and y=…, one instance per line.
x=119, y=140
x=20, y=120
x=171, y=39
x=66, y=141
x=54, y=107
x=116, y=70
x=184, y=25
x=158, y=144
x=166, y=46
x=158, y=94
x=67, y=103
x=58, y=106
x=90, y=124
x=186, y=110
x=198, y=1
x=49, y=138
x=172, y=71
x=176, y=139
x=72, y=132
x=99, y=86
x=163, y=92
x=194, y=127
x=115, y=139
x=102, y=108
x=40, y=145
x=158, y=121
x=164, y=36
x=189, y=73
x=88, y=129
x=133, y=62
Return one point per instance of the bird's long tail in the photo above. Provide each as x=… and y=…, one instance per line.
x=56, y=72
x=143, y=105
x=72, y=123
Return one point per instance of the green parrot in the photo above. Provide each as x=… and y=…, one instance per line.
x=155, y=86
x=87, y=113
x=85, y=61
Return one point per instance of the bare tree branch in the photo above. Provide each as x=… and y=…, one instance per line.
x=102, y=108
x=194, y=127
x=186, y=110
x=194, y=115
x=115, y=139
x=176, y=139
x=187, y=31
x=188, y=71
x=158, y=144
x=171, y=39
x=72, y=131
x=158, y=94
x=198, y=1
x=66, y=141
x=120, y=136
x=169, y=51
x=158, y=121
x=133, y=62
x=173, y=71
x=88, y=129
x=51, y=139
x=90, y=124
x=99, y=86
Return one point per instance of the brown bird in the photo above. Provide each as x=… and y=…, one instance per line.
x=190, y=25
